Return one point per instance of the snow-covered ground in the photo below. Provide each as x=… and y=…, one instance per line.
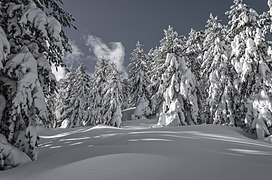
x=139, y=152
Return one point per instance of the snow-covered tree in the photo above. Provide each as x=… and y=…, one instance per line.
x=178, y=86
x=51, y=103
x=100, y=79
x=126, y=93
x=32, y=37
x=112, y=98
x=63, y=104
x=218, y=75
x=194, y=51
x=265, y=22
x=138, y=82
x=255, y=80
x=75, y=89
x=250, y=58
x=25, y=101
x=107, y=94
x=171, y=43
x=241, y=16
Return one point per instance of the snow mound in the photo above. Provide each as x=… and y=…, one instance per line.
x=10, y=155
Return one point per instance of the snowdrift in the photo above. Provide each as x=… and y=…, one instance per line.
x=138, y=151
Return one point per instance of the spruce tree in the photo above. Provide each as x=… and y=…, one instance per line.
x=218, y=74
x=33, y=38
x=194, y=51
x=51, y=101
x=101, y=77
x=251, y=62
x=75, y=91
x=139, y=81
x=193, y=54
x=178, y=86
x=113, y=98
x=171, y=43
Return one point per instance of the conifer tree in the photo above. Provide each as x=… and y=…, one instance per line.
x=139, y=81
x=178, y=87
x=65, y=91
x=171, y=43
x=75, y=91
x=32, y=38
x=251, y=62
x=101, y=77
x=51, y=101
x=194, y=51
x=113, y=98
x=218, y=72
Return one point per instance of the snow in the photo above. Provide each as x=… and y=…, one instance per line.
x=2, y=105
x=14, y=156
x=35, y=15
x=4, y=47
x=142, y=108
x=250, y=46
x=137, y=151
x=269, y=3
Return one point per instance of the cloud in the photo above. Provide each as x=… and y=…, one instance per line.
x=113, y=51
x=70, y=59
x=74, y=58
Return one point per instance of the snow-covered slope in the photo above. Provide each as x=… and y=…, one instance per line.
x=139, y=152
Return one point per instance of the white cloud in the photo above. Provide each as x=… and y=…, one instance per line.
x=70, y=59
x=75, y=57
x=114, y=51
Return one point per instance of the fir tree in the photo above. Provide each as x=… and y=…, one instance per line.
x=194, y=51
x=51, y=104
x=241, y=17
x=139, y=81
x=75, y=93
x=33, y=39
x=178, y=86
x=218, y=74
x=171, y=43
x=101, y=77
x=251, y=62
x=112, y=99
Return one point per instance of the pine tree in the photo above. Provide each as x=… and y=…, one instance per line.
x=32, y=37
x=139, y=81
x=51, y=101
x=101, y=77
x=241, y=17
x=75, y=92
x=218, y=74
x=112, y=99
x=126, y=93
x=265, y=20
x=171, y=43
x=251, y=62
x=194, y=51
x=178, y=86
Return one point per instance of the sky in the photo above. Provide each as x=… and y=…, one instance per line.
x=111, y=28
